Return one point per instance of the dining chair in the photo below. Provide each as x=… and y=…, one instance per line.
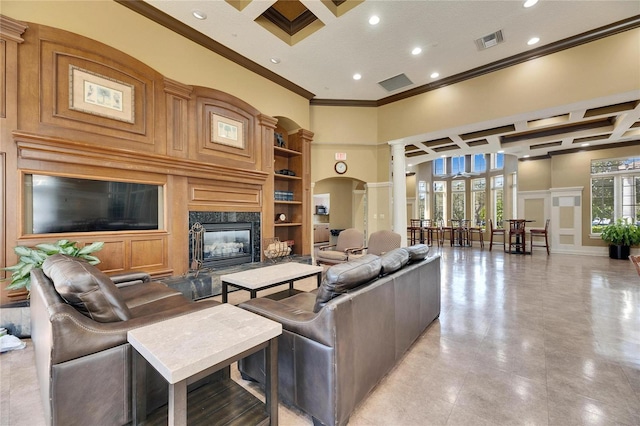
x=478, y=229
x=517, y=236
x=432, y=230
x=496, y=231
x=444, y=229
x=415, y=231
x=540, y=233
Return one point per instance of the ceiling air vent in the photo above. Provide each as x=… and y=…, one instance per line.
x=489, y=40
x=395, y=83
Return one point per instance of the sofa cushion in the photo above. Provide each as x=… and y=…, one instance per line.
x=417, y=252
x=341, y=278
x=86, y=288
x=393, y=261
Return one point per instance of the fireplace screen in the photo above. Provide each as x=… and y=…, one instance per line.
x=227, y=244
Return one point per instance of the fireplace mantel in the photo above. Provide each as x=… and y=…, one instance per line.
x=37, y=147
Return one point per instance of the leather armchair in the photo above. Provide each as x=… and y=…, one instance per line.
x=83, y=360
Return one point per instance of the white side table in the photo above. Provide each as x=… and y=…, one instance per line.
x=187, y=348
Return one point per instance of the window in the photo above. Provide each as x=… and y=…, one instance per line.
x=478, y=197
x=478, y=163
x=497, y=161
x=423, y=206
x=458, y=196
x=602, y=201
x=457, y=164
x=615, y=191
x=439, y=167
x=497, y=198
x=439, y=200
x=631, y=198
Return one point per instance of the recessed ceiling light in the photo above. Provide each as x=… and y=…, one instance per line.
x=435, y=75
x=530, y=3
x=533, y=40
x=275, y=60
x=443, y=156
x=501, y=151
x=585, y=144
x=357, y=76
x=416, y=51
x=525, y=156
x=374, y=20
x=198, y=14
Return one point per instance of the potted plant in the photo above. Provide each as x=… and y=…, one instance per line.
x=621, y=235
x=32, y=258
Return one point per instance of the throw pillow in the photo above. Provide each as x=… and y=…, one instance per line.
x=86, y=288
x=417, y=252
x=343, y=277
x=393, y=261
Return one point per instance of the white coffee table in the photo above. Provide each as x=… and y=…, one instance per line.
x=270, y=276
x=190, y=347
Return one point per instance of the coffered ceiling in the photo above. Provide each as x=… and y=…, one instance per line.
x=314, y=48
x=595, y=124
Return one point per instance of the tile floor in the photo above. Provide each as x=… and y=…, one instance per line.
x=531, y=340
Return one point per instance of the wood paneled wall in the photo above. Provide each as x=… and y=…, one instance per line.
x=163, y=136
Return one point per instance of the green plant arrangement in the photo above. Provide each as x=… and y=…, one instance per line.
x=620, y=235
x=32, y=258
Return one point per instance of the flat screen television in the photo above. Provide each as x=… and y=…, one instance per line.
x=55, y=204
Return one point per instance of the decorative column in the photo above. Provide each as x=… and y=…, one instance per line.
x=399, y=191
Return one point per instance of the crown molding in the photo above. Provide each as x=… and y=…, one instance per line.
x=567, y=43
x=186, y=31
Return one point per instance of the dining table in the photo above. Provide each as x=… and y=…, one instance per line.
x=460, y=232
x=515, y=224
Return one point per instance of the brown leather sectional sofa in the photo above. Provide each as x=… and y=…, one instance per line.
x=79, y=323
x=338, y=344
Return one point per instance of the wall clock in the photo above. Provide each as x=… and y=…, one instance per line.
x=340, y=167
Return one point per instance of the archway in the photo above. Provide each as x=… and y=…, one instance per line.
x=339, y=203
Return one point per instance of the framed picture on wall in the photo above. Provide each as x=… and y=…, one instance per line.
x=227, y=131
x=94, y=94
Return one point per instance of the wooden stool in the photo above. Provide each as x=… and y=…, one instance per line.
x=517, y=236
x=476, y=230
x=495, y=231
x=540, y=233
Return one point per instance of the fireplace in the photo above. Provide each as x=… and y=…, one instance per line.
x=229, y=238
x=226, y=244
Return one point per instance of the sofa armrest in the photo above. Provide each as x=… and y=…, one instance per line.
x=76, y=335
x=326, y=247
x=124, y=279
x=318, y=327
